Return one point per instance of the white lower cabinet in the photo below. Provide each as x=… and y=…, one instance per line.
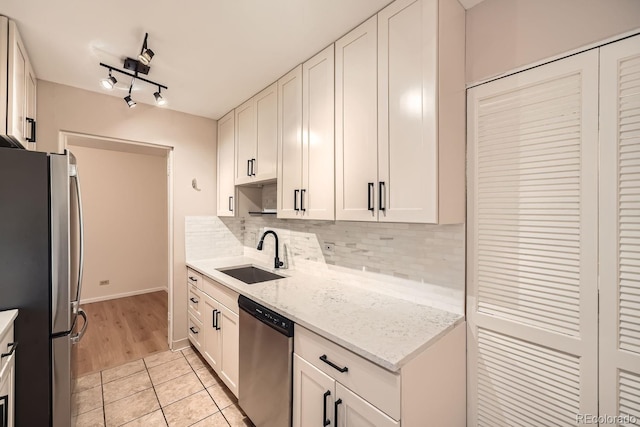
x=211, y=347
x=346, y=390
x=319, y=396
x=229, y=347
x=214, y=328
x=350, y=410
x=7, y=368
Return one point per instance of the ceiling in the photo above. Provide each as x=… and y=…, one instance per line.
x=212, y=54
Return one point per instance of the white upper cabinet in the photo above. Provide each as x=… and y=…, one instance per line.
x=266, y=107
x=245, y=141
x=421, y=110
x=356, y=124
x=306, y=140
x=317, y=192
x=257, y=137
x=226, y=186
x=20, y=89
x=289, y=143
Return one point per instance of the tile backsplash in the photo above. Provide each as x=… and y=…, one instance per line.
x=418, y=252
x=433, y=255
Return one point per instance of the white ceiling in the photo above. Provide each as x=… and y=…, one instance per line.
x=212, y=54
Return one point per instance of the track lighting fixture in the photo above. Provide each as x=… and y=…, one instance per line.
x=146, y=54
x=109, y=82
x=159, y=98
x=137, y=67
x=130, y=102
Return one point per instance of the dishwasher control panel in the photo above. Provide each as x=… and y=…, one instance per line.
x=265, y=315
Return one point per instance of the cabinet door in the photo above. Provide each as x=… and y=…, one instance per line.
x=353, y=411
x=30, y=125
x=226, y=185
x=16, y=106
x=266, y=105
x=313, y=395
x=7, y=395
x=245, y=142
x=230, y=344
x=356, y=124
x=290, y=143
x=620, y=229
x=211, y=327
x=317, y=198
x=407, y=101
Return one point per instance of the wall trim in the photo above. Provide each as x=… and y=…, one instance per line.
x=558, y=57
x=122, y=295
x=180, y=344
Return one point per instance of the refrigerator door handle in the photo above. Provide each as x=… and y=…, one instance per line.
x=75, y=339
x=76, y=181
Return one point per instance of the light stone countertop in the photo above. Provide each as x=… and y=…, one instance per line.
x=6, y=319
x=386, y=330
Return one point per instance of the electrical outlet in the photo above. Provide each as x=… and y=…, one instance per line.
x=104, y=282
x=328, y=247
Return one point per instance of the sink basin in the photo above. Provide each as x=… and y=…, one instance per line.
x=251, y=274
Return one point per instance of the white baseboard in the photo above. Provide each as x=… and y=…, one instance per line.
x=122, y=295
x=180, y=344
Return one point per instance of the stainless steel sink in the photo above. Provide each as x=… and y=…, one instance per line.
x=251, y=274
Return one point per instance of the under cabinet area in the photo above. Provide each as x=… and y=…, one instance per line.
x=213, y=326
x=18, y=85
x=344, y=389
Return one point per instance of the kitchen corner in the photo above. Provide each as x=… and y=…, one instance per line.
x=393, y=328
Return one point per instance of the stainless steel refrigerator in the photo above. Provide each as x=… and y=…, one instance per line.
x=41, y=261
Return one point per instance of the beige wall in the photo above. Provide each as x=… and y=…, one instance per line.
x=125, y=210
x=193, y=138
x=506, y=34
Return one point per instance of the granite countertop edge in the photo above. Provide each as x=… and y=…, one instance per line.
x=209, y=268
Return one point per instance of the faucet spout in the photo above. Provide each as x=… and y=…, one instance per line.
x=277, y=262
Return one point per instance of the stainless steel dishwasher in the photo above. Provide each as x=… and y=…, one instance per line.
x=266, y=347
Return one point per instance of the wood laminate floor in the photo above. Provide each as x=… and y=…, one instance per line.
x=122, y=330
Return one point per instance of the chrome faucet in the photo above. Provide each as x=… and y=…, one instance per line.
x=277, y=261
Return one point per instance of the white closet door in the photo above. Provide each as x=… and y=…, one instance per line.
x=620, y=229
x=532, y=246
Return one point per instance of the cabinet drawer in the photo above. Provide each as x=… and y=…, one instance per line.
x=5, y=340
x=221, y=293
x=196, y=332
x=375, y=384
x=194, y=301
x=194, y=278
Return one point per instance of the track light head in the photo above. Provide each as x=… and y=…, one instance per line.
x=160, y=100
x=130, y=102
x=109, y=82
x=146, y=56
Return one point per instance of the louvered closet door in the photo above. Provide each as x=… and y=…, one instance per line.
x=532, y=246
x=620, y=229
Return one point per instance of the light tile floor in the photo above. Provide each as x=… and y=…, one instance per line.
x=173, y=389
